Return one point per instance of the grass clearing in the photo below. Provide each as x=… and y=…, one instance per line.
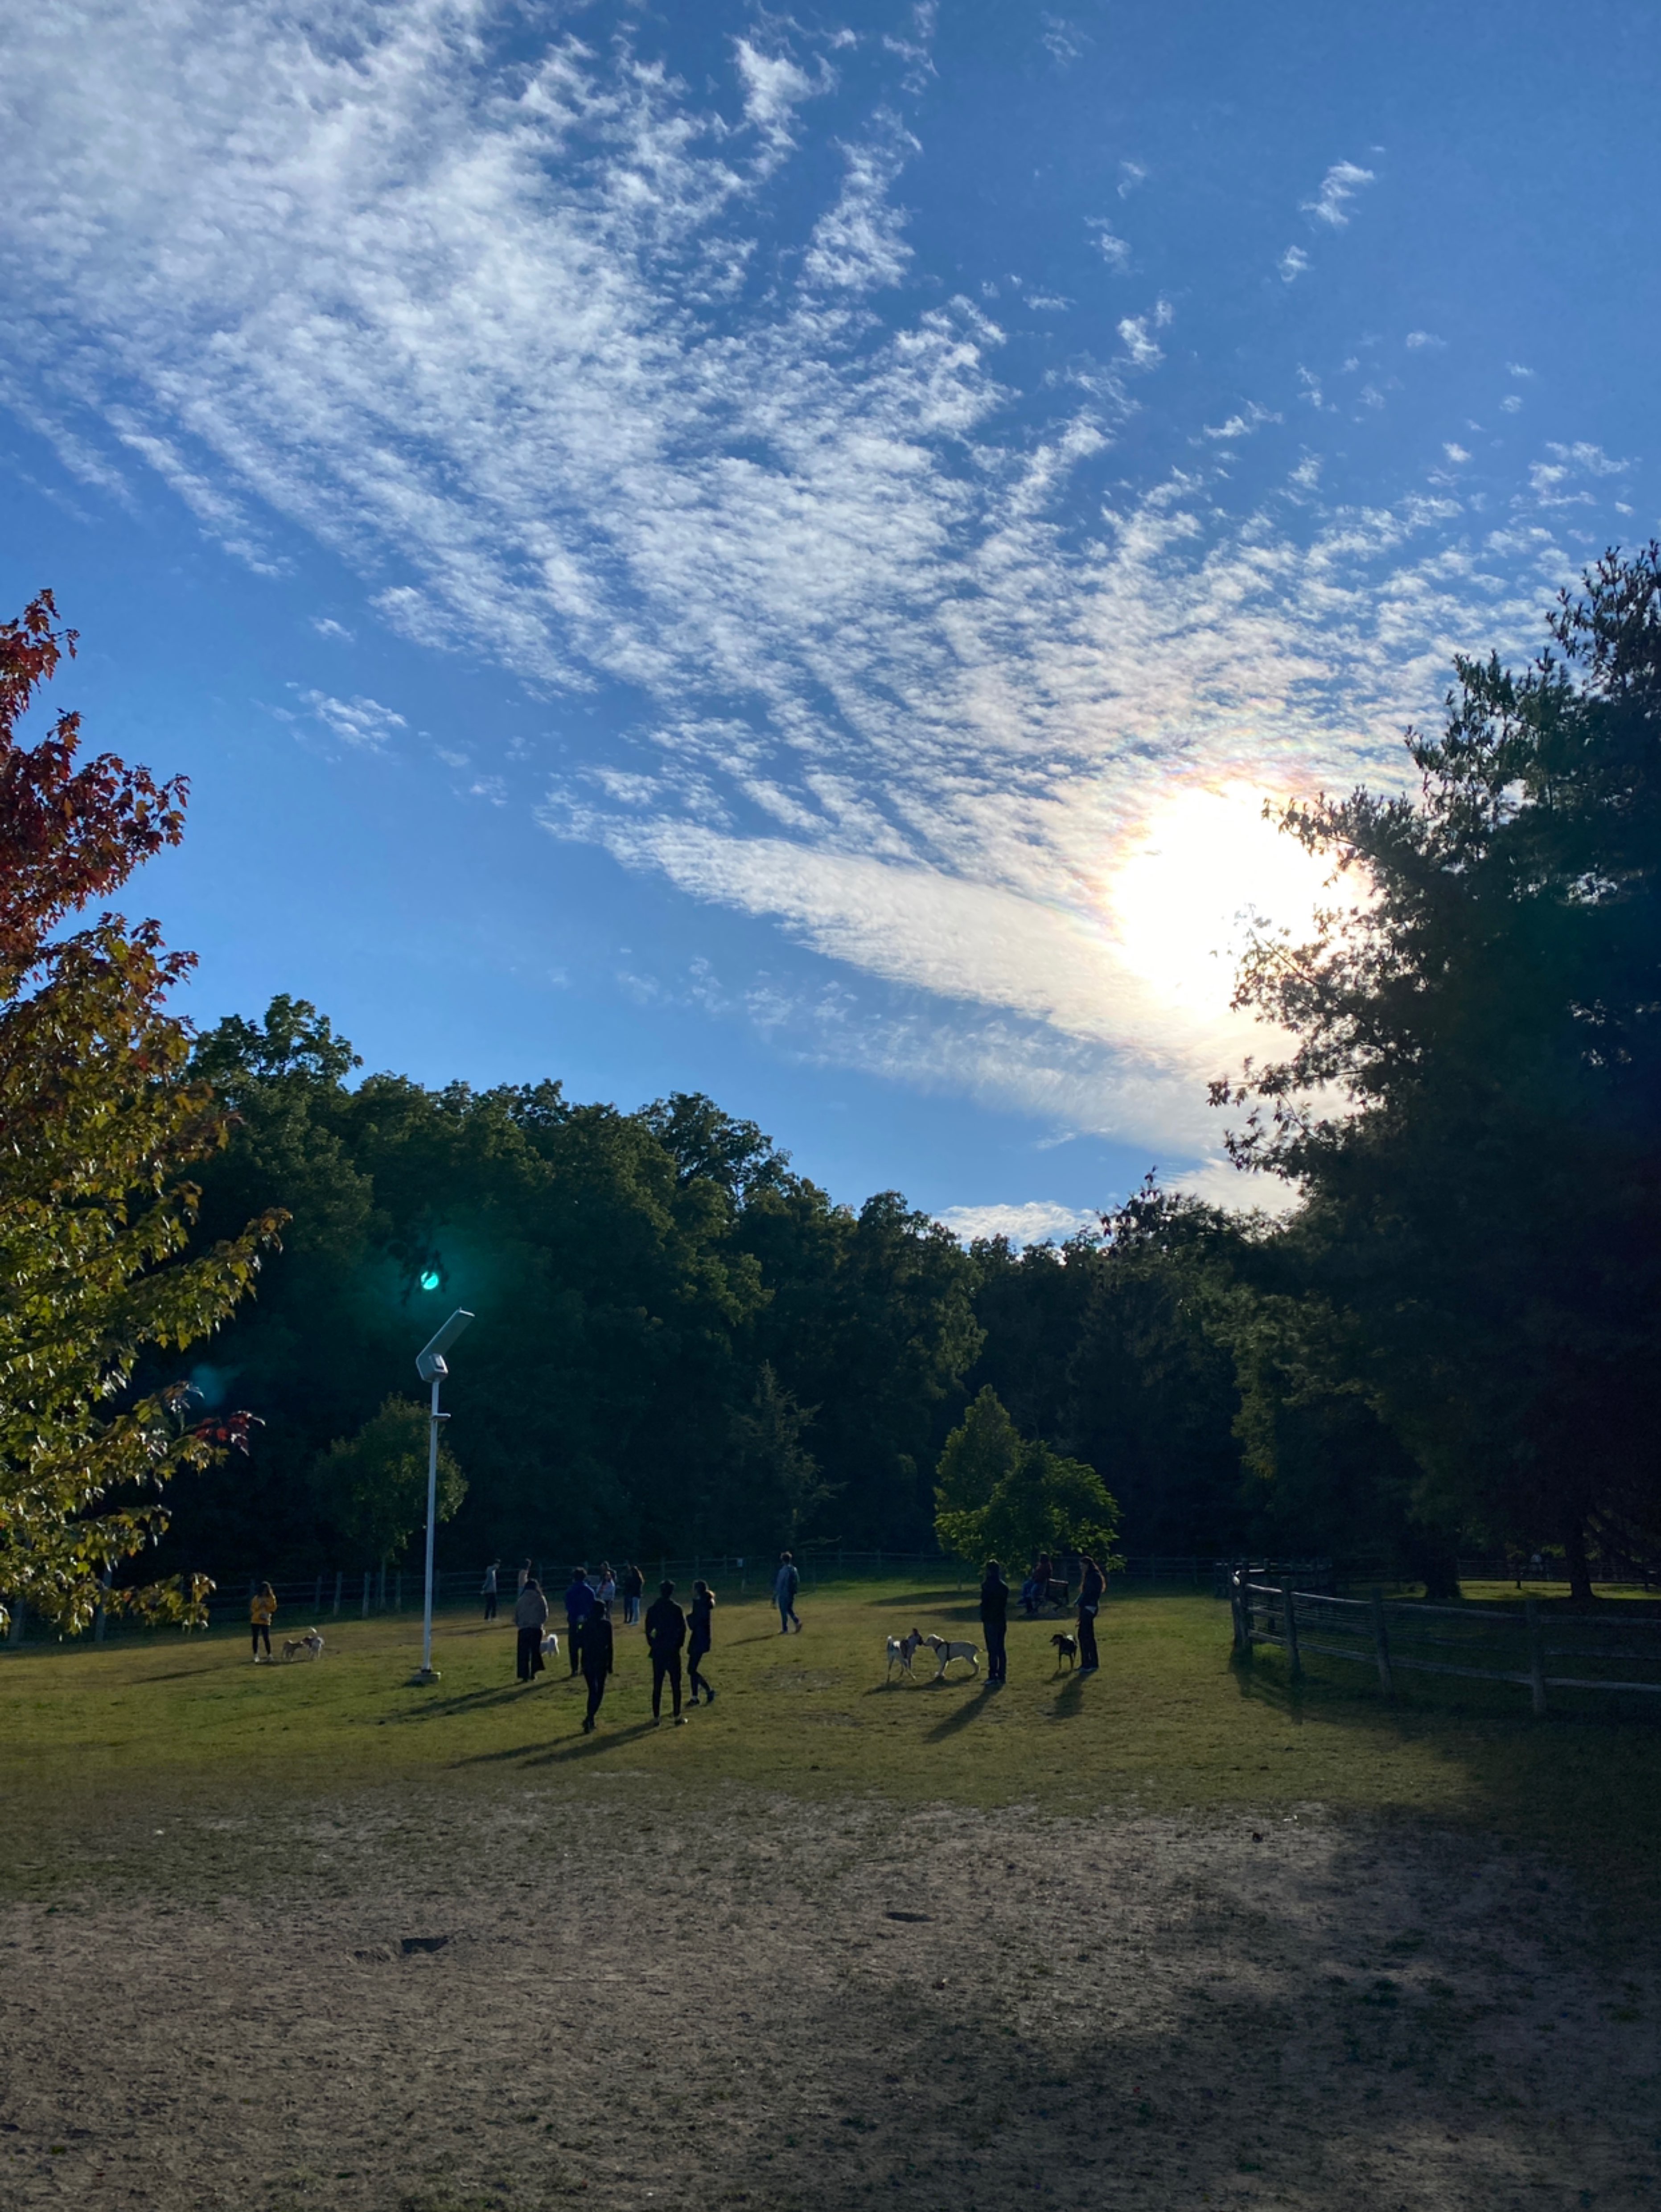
x=288, y=1938
x=1170, y=1724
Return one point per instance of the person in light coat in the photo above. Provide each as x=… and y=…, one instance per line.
x=530, y=1617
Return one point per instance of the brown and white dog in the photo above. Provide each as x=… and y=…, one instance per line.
x=901, y=1650
x=311, y=1644
x=1067, y=1647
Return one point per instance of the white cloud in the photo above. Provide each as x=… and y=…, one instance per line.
x=1038, y=1221
x=1292, y=265
x=1240, y=425
x=1065, y=41
x=1516, y=368
x=1419, y=341
x=326, y=626
x=1511, y=404
x=483, y=334
x=1131, y=174
x=1114, y=251
x=773, y=88
x=1338, y=187
x=363, y=723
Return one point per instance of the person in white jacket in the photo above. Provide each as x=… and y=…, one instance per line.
x=530, y=1617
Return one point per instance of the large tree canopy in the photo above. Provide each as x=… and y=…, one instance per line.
x=1473, y=1105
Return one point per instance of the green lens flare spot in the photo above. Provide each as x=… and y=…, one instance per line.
x=430, y=1279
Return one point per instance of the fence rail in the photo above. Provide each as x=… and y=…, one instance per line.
x=1620, y=1656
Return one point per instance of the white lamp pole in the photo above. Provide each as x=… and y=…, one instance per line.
x=429, y=1365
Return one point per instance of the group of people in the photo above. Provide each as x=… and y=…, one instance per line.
x=1035, y=1589
x=630, y=1585
x=591, y=1645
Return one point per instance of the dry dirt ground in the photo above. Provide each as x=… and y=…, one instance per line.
x=524, y=1999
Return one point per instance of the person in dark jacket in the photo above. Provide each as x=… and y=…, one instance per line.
x=633, y=1587
x=530, y=1618
x=704, y=1609
x=596, y=1660
x=1091, y=1589
x=579, y=1603
x=666, y=1632
x=995, y=1615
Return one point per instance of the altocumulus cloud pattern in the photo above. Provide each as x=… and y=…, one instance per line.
x=632, y=368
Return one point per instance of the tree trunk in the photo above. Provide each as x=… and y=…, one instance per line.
x=1574, y=1558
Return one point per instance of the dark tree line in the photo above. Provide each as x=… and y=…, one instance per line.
x=1451, y=1341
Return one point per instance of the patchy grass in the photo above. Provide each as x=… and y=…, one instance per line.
x=1171, y=1724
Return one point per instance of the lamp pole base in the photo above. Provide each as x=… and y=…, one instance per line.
x=422, y=1675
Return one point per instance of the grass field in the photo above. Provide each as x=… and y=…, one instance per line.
x=1177, y=1933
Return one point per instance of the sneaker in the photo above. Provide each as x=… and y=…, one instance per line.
x=691, y=1701
x=657, y=1720
x=587, y=1725
x=680, y=1720
x=708, y=1696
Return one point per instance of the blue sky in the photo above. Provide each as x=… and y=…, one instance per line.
x=781, y=554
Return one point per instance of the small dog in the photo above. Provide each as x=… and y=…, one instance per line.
x=1067, y=1647
x=311, y=1644
x=901, y=1650
x=550, y=1645
x=946, y=1652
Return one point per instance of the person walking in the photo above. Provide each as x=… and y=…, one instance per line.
x=634, y=1585
x=262, y=1612
x=994, y=1617
x=597, y=1659
x=488, y=1592
x=605, y=1584
x=704, y=1607
x=530, y=1618
x=579, y=1604
x=1091, y=1588
x=786, y=1583
x=666, y=1632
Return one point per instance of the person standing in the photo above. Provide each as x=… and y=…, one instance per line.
x=634, y=1585
x=488, y=1592
x=597, y=1658
x=666, y=1632
x=1091, y=1588
x=530, y=1617
x=786, y=1583
x=703, y=1607
x=262, y=1612
x=605, y=1584
x=579, y=1604
x=994, y=1617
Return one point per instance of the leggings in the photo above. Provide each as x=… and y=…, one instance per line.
x=667, y=1668
x=596, y=1691
x=695, y=1681
x=1087, y=1637
x=262, y=1630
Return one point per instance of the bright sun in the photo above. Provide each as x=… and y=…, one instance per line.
x=1202, y=869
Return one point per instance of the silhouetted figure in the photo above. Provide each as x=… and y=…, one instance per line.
x=994, y=1617
x=488, y=1592
x=703, y=1607
x=579, y=1603
x=596, y=1660
x=633, y=1586
x=1091, y=1590
x=666, y=1632
x=530, y=1616
x=262, y=1612
x=786, y=1583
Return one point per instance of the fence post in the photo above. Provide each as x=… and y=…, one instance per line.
x=1291, y=1605
x=365, y=1592
x=338, y=1578
x=1537, y=1654
x=1381, y=1642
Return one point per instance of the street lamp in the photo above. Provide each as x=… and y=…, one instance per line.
x=431, y=1367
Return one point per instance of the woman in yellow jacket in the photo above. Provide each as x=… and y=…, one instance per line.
x=262, y=1612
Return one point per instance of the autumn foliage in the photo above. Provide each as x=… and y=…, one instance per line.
x=99, y=1120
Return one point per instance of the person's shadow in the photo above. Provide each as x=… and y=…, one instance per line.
x=971, y=1709
x=1069, y=1699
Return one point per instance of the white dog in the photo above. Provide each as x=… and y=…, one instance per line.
x=946, y=1652
x=901, y=1650
x=550, y=1645
x=311, y=1644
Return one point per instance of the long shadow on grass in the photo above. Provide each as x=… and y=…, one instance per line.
x=965, y=1714
x=475, y=1701
x=543, y=1755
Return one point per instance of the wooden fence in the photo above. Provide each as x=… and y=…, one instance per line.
x=1618, y=1652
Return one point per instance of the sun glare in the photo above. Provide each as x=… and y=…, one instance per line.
x=1203, y=868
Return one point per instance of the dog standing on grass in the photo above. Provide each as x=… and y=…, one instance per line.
x=1067, y=1647
x=311, y=1644
x=945, y=1651
x=901, y=1650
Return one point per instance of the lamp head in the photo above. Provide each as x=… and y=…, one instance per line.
x=429, y=1361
